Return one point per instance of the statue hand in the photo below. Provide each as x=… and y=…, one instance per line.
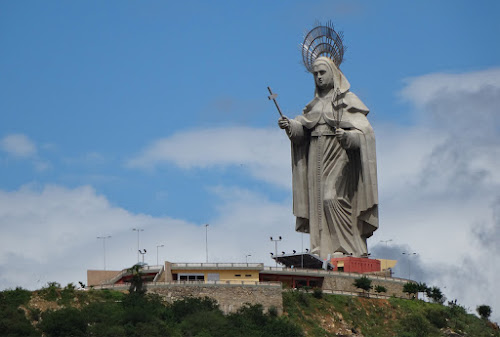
x=284, y=122
x=340, y=134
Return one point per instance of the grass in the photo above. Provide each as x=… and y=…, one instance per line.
x=328, y=315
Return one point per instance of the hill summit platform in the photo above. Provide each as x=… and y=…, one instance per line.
x=344, y=263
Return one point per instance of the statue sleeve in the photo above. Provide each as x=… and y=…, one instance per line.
x=296, y=132
x=351, y=140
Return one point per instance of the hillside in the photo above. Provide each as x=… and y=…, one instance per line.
x=56, y=311
x=335, y=315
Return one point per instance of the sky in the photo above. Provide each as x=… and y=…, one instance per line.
x=154, y=115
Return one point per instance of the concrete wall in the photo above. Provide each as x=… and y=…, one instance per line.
x=96, y=277
x=229, y=296
x=344, y=283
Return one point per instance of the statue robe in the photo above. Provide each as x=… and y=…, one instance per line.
x=334, y=182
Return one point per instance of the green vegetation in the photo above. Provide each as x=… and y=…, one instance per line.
x=72, y=312
x=411, y=288
x=363, y=283
x=484, y=311
x=13, y=321
x=69, y=312
x=334, y=315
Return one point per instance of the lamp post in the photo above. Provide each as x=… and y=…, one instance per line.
x=138, y=230
x=142, y=253
x=158, y=246
x=276, y=248
x=409, y=262
x=302, y=250
x=206, y=241
x=246, y=258
x=103, y=238
x=386, y=241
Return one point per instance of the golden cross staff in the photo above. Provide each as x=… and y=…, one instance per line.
x=273, y=97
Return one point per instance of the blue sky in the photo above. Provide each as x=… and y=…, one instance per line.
x=123, y=114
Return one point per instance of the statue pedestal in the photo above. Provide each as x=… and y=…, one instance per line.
x=351, y=264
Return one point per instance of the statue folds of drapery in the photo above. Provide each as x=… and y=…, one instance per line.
x=334, y=168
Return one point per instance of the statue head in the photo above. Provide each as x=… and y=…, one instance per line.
x=327, y=76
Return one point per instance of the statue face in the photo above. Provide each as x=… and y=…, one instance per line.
x=323, y=76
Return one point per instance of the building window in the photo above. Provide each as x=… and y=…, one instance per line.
x=192, y=277
x=237, y=275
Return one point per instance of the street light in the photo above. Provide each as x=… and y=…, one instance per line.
x=103, y=238
x=142, y=253
x=276, y=248
x=386, y=241
x=206, y=241
x=409, y=262
x=246, y=257
x=158, y=246
x=138, y=230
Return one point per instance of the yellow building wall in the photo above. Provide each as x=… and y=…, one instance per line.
x=224, y=275
x=386, y=264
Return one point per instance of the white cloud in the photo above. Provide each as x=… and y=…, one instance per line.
x=428, y=89
x=18, y=145
x=49, y=233
x=264, y=153
x=439, y=179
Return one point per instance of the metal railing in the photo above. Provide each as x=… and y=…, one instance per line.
x=218, y=265
x=199, y=283
x=321, y=272
x=360, y=294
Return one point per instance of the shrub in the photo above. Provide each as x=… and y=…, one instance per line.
x=363, y=283
x=67, y=294
x=415, y=325
x=437, y=316
x=302, y=298
x=273, y=311
x=318, y=293
x=380, y=289
x=15, y=298
x=63, y=322
x=190, y=305
x=51, y=291
x=484, y=311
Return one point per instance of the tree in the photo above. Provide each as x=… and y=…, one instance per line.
x=363, y=283
x=411, y=288
x=136, y=282
x=423, y=288
x=484, y=311
x=380, y=289
x=436, y=295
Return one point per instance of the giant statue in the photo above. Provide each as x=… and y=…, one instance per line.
x=334, y=167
